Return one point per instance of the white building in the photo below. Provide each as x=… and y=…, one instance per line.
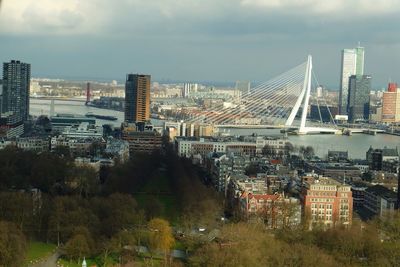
x=33, y=144
x=84, y=130
x=117, y=147
x=187, y=147
x=352, y=64
x=189, y=88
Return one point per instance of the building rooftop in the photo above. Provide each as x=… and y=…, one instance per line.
x=382, y=191
x=386, y=152
x=326, y=181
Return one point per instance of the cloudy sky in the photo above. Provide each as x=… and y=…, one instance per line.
x=206, y=40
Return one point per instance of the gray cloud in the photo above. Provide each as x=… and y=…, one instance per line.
x=199, y=40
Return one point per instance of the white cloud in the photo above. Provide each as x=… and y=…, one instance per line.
x=49, y=16
x=96, y=17
x=100, y=16
x=333, y=8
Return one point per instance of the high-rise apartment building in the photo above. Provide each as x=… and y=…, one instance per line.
x=359, y=97
x=243, y=87
x=352, y=64
x=16, y=83
x=189, y=88
x=391, y=104
x=137, y=98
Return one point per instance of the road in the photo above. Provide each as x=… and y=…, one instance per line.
x=51, y=261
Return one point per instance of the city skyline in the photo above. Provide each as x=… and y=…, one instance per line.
x=219, y=41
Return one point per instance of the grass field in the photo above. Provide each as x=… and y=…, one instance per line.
x=159, y=187
x=38, y=251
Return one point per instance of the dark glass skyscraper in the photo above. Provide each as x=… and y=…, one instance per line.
x=137, y=98
x=16, y=83
x=359, y=97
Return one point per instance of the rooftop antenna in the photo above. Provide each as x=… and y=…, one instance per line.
x=359, y=44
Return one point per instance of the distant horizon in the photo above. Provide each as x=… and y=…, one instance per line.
x=171, y=81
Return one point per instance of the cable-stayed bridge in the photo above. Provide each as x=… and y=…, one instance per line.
x=281, y=102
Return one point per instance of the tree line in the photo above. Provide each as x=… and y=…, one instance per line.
x=47, y=197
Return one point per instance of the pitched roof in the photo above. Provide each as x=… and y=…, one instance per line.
x=263, y=196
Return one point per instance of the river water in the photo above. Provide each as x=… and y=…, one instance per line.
x=357, y=144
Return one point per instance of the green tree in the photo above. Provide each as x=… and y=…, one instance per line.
x=123, y=244
x=62, y=151
x=84, y=180
x=160, y=236
x=77, y=247
x=153, y=208
x=12, y=245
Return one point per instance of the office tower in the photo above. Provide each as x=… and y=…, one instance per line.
x=320, y=91
x=189, y=88
x=359, y=96
x=391, y=104
x=352, y=64
x=392, y=87
x=1, y=96
x=137, y=98
x=243, y=86
x=16, y=83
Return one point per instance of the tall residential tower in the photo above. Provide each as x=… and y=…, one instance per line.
x=352, y=64
x=137, y=98
x=16, y=82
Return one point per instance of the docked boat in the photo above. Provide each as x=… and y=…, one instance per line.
x=101, y=117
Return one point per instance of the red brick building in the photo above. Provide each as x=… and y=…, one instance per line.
x=328, y=202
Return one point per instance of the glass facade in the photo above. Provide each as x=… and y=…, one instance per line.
x=352, y=64
x=359, y=97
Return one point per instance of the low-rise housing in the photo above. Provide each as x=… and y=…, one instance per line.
x=77, y=146
x=222, y=167
x=84, y=130
x=250, y=198
x=337, y=171
x=142, y=141
x=36, y=144
x=376, y=157
x=188, y=146
x=380, y=200
x=117, y=148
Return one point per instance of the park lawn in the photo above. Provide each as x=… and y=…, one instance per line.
x=160, y=183
x=169, y=201
x=38, y=251
x=159, y=187
x=146, y=261
x=179, y=245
